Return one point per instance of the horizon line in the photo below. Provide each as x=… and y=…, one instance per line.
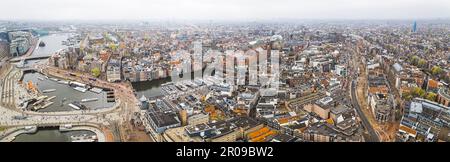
x=227, y=20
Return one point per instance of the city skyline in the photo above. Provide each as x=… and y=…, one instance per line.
x=222, y=10
x=225, y=71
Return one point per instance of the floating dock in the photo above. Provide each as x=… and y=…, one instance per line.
x=96, y=90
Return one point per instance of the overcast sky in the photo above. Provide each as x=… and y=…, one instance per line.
x=222, y=9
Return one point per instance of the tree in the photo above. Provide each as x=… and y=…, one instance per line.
x=436, y=70
x=96, y=72
x=414, y=60
x=113, y=47
x=418, y=92
x=422, y=63
x=431, y=96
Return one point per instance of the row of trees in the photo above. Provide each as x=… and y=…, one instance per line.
x=419, y=92
x=419, y=62
x=422, y=63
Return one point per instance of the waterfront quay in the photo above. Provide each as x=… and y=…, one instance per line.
x=13, y=117
x=10, y=135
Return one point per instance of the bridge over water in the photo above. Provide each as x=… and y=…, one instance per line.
x=28, y=58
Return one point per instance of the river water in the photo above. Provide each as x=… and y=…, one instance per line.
x=53, y=43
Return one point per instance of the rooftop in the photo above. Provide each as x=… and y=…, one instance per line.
x=162, y=119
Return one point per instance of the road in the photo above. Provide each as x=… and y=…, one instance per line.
x=373, y=137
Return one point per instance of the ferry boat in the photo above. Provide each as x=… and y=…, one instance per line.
x=73, y=83
x=74, y=106
x=89, y=99
x=48, y=90
x=77, y=106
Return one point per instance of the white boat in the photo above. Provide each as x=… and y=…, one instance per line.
x=41, y=97
x=46, y=105
x=74, y=107
x=89, y=99
x=63, y=82
x=80, y=89
x=51, y=98
x=84, y=140
x=78, y=84
x=35, y=108
x=40, y=78
x=48, y=90
x=38, y=102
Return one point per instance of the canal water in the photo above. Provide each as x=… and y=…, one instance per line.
x=50, y=135
x=152, y=88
